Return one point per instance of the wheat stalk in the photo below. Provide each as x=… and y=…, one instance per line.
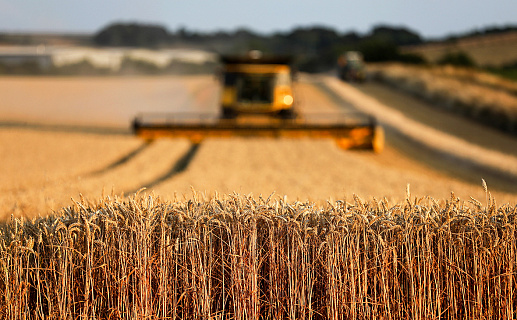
x=236, y=257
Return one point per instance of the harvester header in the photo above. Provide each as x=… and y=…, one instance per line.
x=350, y=131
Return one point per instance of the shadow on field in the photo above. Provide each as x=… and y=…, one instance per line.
x=122, y=160
x=65, y=128
x=178, y=167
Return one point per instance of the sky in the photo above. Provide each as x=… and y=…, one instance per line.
x=429, y=18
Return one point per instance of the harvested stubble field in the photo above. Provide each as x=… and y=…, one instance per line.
x=283, y=252
x=239, y=257
x=486, y=50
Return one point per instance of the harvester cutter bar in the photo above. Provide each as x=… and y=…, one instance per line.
x=349, y=130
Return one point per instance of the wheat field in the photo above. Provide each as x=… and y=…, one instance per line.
x=241, y=257
x=107, y=226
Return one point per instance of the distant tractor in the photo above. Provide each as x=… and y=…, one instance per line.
x=351, y=67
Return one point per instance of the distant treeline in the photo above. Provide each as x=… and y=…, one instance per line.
x=477, y=32
x=316, y=48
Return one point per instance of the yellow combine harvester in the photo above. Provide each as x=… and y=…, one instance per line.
x=257, y=100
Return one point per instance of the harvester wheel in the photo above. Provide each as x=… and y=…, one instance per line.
x=378, y=139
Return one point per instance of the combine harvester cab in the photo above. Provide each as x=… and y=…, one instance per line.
x=257, y=85
x=257, y=100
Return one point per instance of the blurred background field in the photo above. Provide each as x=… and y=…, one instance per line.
x=43, y=167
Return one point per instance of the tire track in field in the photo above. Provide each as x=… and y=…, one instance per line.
x=338, y=101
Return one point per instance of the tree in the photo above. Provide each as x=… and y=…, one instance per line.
x=457, y=59
x=132, y=35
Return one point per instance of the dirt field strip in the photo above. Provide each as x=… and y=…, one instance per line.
x=453, y=124
x=483, y=98
x=310, y=99
x=461, y=149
